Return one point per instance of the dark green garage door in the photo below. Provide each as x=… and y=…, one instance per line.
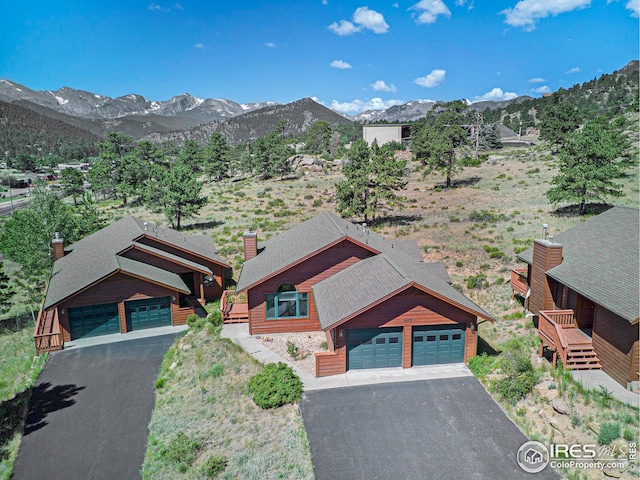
x=94, y=320
x=438, y=344
x=374, y=348
x=149, y=313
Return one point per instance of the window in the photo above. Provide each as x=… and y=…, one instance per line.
x=287, y=303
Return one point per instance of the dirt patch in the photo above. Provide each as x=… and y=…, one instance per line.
x=305, y=343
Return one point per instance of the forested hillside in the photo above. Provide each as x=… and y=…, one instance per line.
x=28, y=139
x=610, y=94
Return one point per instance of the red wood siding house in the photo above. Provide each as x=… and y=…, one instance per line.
x=585, y=282
x=376, y=300
x=130, y=275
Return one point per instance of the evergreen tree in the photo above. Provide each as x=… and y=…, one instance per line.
x=7, y=292
x=216, y=157
x=175, y=192
x=318, y=138
x=373, y=178
x=557, y=121
x=72, y=183
x=589, y=165
x=434, y=141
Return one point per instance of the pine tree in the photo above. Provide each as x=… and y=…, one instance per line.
x=589, y=165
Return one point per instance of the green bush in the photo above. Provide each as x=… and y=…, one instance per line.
x=520, y=377
x=194, y=321
x=275, y=385
x=481, y=365
x=215, y=317
x=476, y=281
x=609, y=431
x=213, y=466
x=214, y=371
x=182, y=449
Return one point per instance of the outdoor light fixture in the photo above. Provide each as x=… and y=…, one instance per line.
x=173, y=298
x=340, y=333
x=472, y=327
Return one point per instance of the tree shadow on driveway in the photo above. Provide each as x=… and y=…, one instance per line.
x=46, y=399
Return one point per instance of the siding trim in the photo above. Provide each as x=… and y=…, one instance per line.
x=178, y=247
x=201, y=269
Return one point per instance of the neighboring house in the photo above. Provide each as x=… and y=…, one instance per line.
x=376, y=300
x=128, y=276
x=583, y=286
x=385, y=133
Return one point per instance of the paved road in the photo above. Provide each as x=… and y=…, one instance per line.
x=434, y=429
x=90, y=410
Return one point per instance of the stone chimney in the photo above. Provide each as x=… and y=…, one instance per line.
x=546, y=255
x=250, y=240
x=58, y=247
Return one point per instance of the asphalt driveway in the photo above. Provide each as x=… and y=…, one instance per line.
x=434, y=429
x=90, y=411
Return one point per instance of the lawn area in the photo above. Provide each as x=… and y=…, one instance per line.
x=205, y=424
x=19, y=369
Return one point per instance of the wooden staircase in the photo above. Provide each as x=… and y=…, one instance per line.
x=234, y=307
x=559, y=331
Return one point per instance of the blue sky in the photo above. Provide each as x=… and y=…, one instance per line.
x=348, y=55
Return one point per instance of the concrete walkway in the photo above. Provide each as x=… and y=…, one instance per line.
x=238, y=333
x=122, y=337
x=594, y=379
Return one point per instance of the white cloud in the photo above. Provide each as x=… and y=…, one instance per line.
x=381, y=86
x=370, y=19
x=363, y=18
x=154, y=7
x=542, y=89
x=527, y=12
x=325, y=2
x=270, y=45
x=199, y=45
x=343, y=28
x=428, y=10
x=536, y=80
x=634, y=6
x=340, y=64
x=573, y=70
x=435, y=78
x=357, y=106
x=496, y=94
x=179, y=6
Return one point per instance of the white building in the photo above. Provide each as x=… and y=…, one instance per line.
x=385, y=133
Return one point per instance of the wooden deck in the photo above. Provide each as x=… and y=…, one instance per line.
x=559, y=332
x=235, y=308
x=519, y=282
x=47, y=334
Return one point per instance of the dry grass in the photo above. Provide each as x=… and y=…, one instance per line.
x=203, y=396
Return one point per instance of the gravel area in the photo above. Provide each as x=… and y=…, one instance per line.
x=307, y=344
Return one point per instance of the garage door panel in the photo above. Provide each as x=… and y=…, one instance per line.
x=148, y=313
x=438, y=344
x=374, y=348
x=94, y=320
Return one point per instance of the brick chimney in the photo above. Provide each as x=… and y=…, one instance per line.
x=58, y=247
x=546, y=255
x=250, y=240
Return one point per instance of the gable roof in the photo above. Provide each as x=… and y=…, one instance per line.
x=601, y=260
x=375, y=279
x=309, y=237
x=97, y=256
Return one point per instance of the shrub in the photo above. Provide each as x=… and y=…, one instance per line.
x=576, y=419
x=628, y=435
x=160, y=383
x=317, y=202
x=292, y=349
x=194, y=321
x=520, y=377
x=609, y=431
x=486, y=216
x=215, y=317
x=213, y=372
x=182, y=449
x=481, y=365
x=213, y=465
x=275, y=385
x=476, y=281
x=324, y=345
x=459, y=264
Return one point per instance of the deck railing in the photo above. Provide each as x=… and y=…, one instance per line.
x=234, y=307
x=558, y=330
x=47, y=334
x=519, y=281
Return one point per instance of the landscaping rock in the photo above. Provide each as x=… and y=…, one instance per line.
x=594, y=427
x=173, y=365
x=559, y=406
x=556, y=425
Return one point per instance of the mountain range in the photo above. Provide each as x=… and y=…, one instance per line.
x=185, y=116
